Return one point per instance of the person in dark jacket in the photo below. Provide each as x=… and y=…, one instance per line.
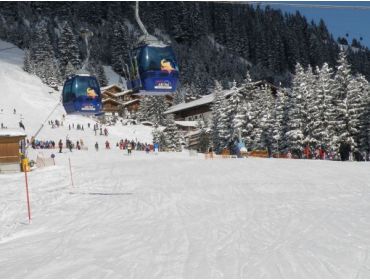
x=60, y=145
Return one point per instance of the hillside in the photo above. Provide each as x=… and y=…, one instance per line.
x=34, y=101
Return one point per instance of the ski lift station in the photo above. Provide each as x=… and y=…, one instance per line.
x=11, y=143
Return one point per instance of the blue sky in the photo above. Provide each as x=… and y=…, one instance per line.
x=339, y=21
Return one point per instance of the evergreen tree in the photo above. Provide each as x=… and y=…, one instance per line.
x=322, y=109
x=341, y=125
x=216, y=115
x=69, y=70
x=172, y=134
x=279, y=122
x=100, y=75
x=28, y=64
x=120, y=47
x=358, y=90
x=294, y=136
x=179, y=96
x=68, y=49
x=204, y=140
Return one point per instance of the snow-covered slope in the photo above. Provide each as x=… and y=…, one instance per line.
x=176, y=216
x=34, y=101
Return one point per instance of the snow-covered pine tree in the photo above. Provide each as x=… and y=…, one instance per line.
x=358, y=90
x=216, y=115
x=322, y=109
x=343, y=77
x=68, y=49
x=267, y=119
x=69, y=70
x=234, y=102
x=239, y=120
x=52, y=74
x=179, y=96
x=27, y=63
x=120, y=47
x=279, y=122
x=42, y=54
x=247, y=92
x=156, y=135
x=172, y=134
x=224, y=126
x=152, y=109
x=204, y=140
x=143, y=113
x=157, y=107
x=100, y=75
x=295, y=114
x=308, y=88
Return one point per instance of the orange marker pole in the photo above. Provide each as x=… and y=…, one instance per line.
x=28, y=196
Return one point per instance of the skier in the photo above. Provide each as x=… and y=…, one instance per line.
x=21, y=125
x=105, y=131
x=78, y=145
x=156, y=148
x=107, y=146
x=69, y=145
x=147, y=149
x=96, y=146
x=60, y=144
x=307, y=152
x=129, y=148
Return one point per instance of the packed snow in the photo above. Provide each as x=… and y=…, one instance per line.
x=177, y=216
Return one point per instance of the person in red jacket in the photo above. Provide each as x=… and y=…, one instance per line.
x=307, y=152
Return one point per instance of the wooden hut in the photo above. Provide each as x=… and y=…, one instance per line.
x=10, y=143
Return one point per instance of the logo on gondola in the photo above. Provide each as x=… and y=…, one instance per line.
x=166, y=66
x=91, y=93
x=88, y=108
x=161, y=84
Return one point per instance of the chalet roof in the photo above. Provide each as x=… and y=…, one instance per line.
x=110, y=87
x=112, y=100
x=122, y=93
x=187, y=123
x=11, y=133
x=130, y=102
x=207, y=99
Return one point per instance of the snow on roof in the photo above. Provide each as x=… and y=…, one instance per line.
x=196, y=103
x=147, y=123
x=187, y=123
x=111, y=99
x=130, y=102
x=11, y=133
x=110, y=86
x=122, y=93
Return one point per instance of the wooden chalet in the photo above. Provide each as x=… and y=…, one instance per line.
x=10, y=143
x=115, y=97
x=200, y=109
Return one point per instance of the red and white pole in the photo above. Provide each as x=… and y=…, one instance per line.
x=28, y=196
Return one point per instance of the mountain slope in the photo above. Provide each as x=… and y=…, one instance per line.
x=34, y=101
